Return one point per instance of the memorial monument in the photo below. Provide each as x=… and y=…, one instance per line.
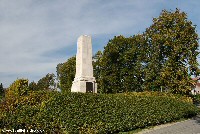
x=84, y=80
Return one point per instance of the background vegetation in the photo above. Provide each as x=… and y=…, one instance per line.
x=163, y=58
x=1, y=91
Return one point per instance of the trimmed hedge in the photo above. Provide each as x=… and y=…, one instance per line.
x=91, y=113
x=196, y=98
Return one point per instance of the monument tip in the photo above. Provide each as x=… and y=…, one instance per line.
x=86, y=35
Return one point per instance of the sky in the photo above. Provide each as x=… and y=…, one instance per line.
x=36, y=35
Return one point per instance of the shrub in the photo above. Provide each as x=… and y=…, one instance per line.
x=17, y=88
x=196, y=98
x=20, y=112
x=92, y=113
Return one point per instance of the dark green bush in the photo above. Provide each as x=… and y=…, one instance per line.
x=92, y=113
x=196, y=98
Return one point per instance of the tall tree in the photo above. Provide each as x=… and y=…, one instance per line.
x=47, y=82
x=1, y=90
x=172, y=52
x=97, y=67
x=133, y=64
x=121, y=65
x=33, y=86
x=66, y=73
x=110, y=64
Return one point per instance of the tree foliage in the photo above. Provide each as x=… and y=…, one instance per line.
x=21, y=87
x=66, y=73
x=164, y=57
x=1, y=90
x=17, y=88
x=172, y=52
x=121, y=65
x=97, y=67
x=33, y=86
x=47, y=82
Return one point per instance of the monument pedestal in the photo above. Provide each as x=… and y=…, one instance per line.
x=84, y=80
x=84, y=85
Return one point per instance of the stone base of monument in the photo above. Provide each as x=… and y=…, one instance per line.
x=84, y=85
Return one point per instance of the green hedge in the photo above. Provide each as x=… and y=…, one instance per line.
x=196, y=98
x=91, y=113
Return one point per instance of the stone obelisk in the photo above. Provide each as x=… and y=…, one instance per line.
x=84, y=80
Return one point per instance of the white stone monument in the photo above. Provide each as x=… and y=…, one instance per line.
x=84, y=80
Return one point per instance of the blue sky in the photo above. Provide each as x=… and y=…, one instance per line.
x=36, y=35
